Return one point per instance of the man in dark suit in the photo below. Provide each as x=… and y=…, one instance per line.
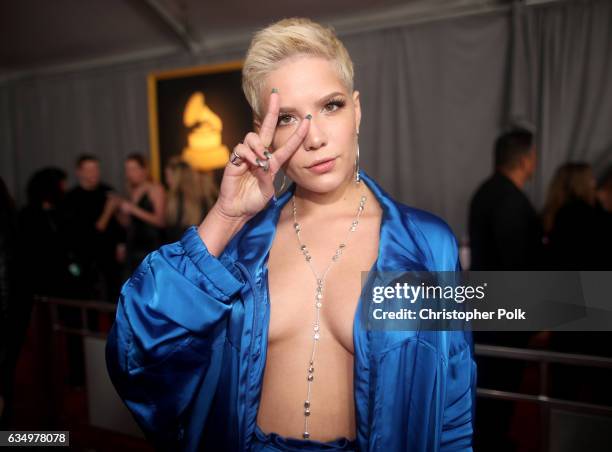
x=505, y=230
x=93, y=233
x=505, y=234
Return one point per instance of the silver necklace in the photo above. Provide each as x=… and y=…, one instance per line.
x=318, y=299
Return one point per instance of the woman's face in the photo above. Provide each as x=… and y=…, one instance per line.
x=134, y=173
x=170, y=179
x=326, y=158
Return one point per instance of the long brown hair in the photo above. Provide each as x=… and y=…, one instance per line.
x=196, y=191
x=572, y=181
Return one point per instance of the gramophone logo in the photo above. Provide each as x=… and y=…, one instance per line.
x=204, y=150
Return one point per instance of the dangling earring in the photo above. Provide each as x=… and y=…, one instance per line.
x=357, y=180
x=282, y=187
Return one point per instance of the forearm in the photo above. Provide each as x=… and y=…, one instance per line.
x=216, y=230
x=152, y=218
x=122, y=218
x=102, y=222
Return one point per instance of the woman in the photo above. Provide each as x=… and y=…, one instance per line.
x=575, y=228
x=42, y=220
x=143, y=214
x=191, y=194
x=245, y=335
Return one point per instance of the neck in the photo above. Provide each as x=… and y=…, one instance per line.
x=342, y=200
x=518, y=178
x=137, y=185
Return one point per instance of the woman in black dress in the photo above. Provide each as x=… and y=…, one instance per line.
x=143, y=213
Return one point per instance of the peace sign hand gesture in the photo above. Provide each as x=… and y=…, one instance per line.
x=248, y=178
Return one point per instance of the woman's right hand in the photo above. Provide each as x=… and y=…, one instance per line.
x=247, y=187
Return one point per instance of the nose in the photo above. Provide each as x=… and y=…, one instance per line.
x=316, y=137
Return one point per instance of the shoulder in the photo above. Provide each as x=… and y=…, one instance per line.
x=73, y=192
x=425, y=235
x=439, y=237
x=415, y=236
x=432, y=235
x=432, y=225
x=155, y=189
x=491, y=191
x=423, y=223
x=105, y=187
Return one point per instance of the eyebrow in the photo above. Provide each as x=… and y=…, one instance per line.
x=323, y=100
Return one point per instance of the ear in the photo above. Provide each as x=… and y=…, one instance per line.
x=530, y=159
x=357, y=104
x=525, y=162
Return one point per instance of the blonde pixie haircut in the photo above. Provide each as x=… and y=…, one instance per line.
x=288, y=38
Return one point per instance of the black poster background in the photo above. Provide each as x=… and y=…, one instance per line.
x=223, y=94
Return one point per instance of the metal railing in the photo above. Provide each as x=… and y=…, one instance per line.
x=544, y=359
x=84, y=307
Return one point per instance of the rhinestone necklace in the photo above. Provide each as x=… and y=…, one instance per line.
x=318, y=299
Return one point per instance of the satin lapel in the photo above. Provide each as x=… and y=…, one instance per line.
x=255, y=244
x=398, y=251
x=252, y=250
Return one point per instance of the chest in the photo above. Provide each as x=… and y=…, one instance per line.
x=138, y=195
x=292, y=283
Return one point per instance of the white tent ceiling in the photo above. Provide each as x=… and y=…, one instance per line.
x=42, y=34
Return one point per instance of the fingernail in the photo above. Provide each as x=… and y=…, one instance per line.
x=268, y=154
x=308, y=116
x=274, y=90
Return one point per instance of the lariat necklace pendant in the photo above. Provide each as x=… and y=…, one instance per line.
x=318, y=301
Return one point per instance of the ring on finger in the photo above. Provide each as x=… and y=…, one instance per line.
x=235, y=159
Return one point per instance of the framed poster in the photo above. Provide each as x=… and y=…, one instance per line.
x=198, y=113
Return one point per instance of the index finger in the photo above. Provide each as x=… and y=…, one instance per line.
x=268, y=126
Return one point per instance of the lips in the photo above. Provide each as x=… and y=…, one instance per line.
x=320, y=162
x=322, y=166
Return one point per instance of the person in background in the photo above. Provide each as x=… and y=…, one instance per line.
x=191, y=194
x=93, y=232
x=51, y=269
x=575, y=227
x=505, y=230
x=505, y=234
x=42, y=226
x=604, y=191
x=604, y=207
x=144, y=213
x=578, y=233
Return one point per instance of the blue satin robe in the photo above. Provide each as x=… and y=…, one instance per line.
x=188, y=347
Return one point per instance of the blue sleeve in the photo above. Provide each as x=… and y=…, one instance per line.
x=166, y=341
x=458, y=417
x=460, y=397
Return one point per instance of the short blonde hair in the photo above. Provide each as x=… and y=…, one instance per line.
x=287, y=38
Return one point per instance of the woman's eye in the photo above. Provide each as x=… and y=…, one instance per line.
x=284, y=120
x=334, y=105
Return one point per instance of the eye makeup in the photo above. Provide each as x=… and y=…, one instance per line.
x=336, y=103
x=329, y=104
